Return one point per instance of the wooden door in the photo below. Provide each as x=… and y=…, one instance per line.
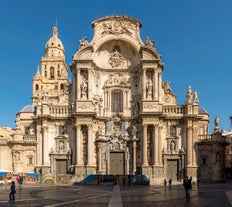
x=117, y=164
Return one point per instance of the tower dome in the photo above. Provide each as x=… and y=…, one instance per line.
x=54, y=46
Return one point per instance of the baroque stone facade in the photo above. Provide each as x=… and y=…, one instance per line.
x=116, y=116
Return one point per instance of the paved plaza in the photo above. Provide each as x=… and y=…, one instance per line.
x=207, y=195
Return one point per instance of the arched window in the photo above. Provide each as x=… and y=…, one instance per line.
x=172, y=131
x=62, y=86
x=36, y=87
x=52, y=72
x=45, y=73
x=218, y=157
x=116, y=101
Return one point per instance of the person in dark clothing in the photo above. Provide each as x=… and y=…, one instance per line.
x=189, y=186
x=185, y=184
x=12, y=191
x=165, y=183
x=20, y=181
x=170, y=183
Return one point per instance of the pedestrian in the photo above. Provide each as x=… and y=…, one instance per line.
x=190, y=186
x=185, y=184
x=20, y=181
x=165, y=183
x=12, y=191
x=170, y=183
x=198, y=182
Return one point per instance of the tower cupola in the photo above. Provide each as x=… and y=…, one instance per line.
x=54, y=46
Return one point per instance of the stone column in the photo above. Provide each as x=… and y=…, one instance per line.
x=74, y=144
x=74, y=83
x=160, y=144
x=144, y=83
x=78, y=78
x=45, y=145
x=189, y=146
x=156, y=85
x=89, y=96
x=155, y=145
x=134, y=156
x=90, y=147
x=159, y=85
x=144, y=162
x=78, y=145
x=99, y=158
x=195, y=135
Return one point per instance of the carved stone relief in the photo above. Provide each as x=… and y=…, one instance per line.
x=115, y=59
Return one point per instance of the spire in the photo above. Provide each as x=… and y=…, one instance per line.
x=55, y=31
x=37, y=75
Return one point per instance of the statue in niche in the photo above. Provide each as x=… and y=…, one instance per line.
x=84, y=88
x=149, y=88
x=17, y=157
x=61, y=146
x=172, y=146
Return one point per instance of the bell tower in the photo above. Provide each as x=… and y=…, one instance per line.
x=50, y=83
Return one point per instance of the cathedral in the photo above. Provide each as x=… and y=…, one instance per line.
x=115, y=117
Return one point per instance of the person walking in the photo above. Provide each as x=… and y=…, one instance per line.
x=170, y=183
x=185, y=184
x=20, y=181
x=12, y=191
x=165, y=183
x=190, y=186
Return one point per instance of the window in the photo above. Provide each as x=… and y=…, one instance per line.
x=172, y=131
x=51, y=72
x=30, y=160
x=36, y=87
x=62, y=86
x=116, y=101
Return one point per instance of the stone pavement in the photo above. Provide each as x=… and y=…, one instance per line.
x=207, y=195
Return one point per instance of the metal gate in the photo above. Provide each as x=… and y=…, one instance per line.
x=117, y=164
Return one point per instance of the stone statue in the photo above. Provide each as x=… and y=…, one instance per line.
x=189, y=96
x=195, y=98
x=83, y=41
x=133, y=131
x=84, y=88
x=216, y=122
x=149, y=88
x=172, y=145
x=149, y=42
x=166, y=86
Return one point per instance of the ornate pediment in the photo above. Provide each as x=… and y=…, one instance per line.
x=116, y=25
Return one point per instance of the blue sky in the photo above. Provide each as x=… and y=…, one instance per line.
x=193, y=37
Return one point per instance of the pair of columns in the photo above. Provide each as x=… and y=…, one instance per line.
x=79, y=146
x=156, y=146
